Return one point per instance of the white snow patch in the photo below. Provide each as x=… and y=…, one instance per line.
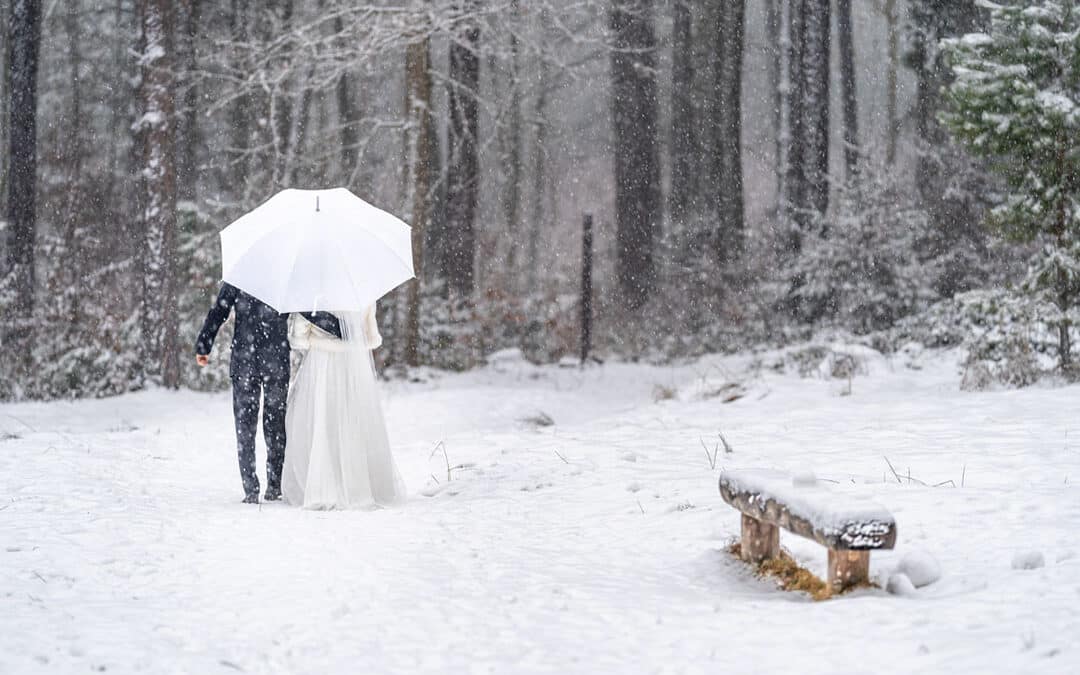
x=921, y=568
x=128, y=550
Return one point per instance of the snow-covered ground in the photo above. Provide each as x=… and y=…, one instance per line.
x=594, y=545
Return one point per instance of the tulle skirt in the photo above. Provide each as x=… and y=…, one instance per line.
x=337, y=454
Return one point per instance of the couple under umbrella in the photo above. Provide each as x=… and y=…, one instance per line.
x=303, y=271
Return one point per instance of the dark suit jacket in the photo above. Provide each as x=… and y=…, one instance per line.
x=261, y=333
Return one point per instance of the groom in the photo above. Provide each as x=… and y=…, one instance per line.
x=259, y=368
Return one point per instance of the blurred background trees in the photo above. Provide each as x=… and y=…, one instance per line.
x=720, y=146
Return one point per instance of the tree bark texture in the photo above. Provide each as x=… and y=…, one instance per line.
x=847, y=85
x=24, y=38
x=637, y=165
x=158, y=98
x=683, y=138
x=464, y=165
x=727, y=140
x=817, y=50
x=418, y=113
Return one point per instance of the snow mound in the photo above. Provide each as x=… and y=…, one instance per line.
x=920, y=568
x=900, y=584
x=1028, y=560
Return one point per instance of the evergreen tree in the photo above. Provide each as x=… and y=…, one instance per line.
x=1016, y=100
x=859, y=266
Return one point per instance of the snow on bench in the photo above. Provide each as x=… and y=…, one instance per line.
x=848, y=527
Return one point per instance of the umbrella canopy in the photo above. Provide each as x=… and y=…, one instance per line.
x=317, y=250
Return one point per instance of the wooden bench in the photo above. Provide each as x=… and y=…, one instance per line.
x=848, y=527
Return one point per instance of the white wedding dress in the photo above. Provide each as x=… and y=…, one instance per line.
x=337, y=452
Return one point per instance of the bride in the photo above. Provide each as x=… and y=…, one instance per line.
x=337, y=452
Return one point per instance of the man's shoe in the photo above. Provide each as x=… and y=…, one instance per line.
x=252, y=498
x=273, y=494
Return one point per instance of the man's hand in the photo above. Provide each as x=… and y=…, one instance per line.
x=202, y=359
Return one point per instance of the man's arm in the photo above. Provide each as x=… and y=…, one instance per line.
x=226, y=298
x=324, y=320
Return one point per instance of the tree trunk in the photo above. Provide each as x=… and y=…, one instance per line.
x=847, y=85
x=539, y=217
x=637, y=166
x=795, y=179
x=727, y=144
x=5, y=99
x=71, y=153
x=816, y=57
x=464, y=168
x=158, y=97
x=240, y=111
x=512, y=202
x=683, y=138
x=283, y=106
x=418, y=113
x=188, y=131
x=349, y=119
x=891, y=82
x=775, y=44
x=23, y=47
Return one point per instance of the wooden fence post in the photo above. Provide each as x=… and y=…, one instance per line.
x=586, y=287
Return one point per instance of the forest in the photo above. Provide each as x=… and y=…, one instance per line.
x=757, y=172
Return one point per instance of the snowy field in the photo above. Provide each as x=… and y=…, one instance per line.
x=594, y=545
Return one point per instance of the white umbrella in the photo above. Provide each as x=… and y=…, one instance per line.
x=317, y=250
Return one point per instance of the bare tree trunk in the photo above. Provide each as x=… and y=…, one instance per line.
x=816, y=58
x=638, y=199
x=5, y=99
x=282, y=107
x=188, y=131
x=727, y=144
x=158, y=97
x=418, y=112
x=774, y=51
x=891, y=81
x=512, y=202
x=241, y=110
x=795, y=178
x=683, y=139
x=847, y=84
x=23, y=47
x=464, y=166
x=539, y=219
x=71, y=154
x=349, y=118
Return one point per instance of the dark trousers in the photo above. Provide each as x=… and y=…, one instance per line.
x=252, y=380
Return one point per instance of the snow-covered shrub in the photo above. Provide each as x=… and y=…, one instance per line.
x=199, y=270
x=859, y=268
x=1006, y=336
x=82, y=338
x=459, y=336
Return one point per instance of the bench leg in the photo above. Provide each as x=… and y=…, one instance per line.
x=848, y=569
x=760, y=541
